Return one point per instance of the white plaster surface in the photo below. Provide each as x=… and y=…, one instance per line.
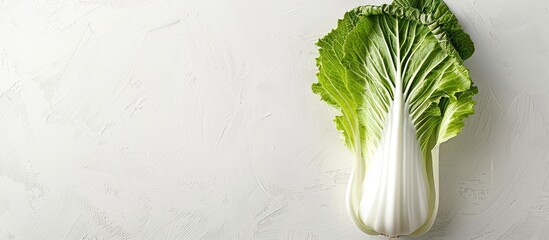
x=194, y=119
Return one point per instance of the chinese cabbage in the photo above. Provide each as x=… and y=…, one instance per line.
x=396, y=74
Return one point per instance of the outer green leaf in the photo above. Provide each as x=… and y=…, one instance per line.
x=332, y=84
x=454, y=112
x=336, y=89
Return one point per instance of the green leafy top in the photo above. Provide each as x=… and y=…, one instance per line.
x=358, y=74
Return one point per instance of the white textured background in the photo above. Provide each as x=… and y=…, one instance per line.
x=194, y=119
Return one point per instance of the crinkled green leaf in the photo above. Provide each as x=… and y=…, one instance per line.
x=448, y=22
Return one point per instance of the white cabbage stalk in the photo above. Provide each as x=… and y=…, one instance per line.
x=393, y=195
x=396, y=74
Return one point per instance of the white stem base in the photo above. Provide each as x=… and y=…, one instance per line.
x=395, y=190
